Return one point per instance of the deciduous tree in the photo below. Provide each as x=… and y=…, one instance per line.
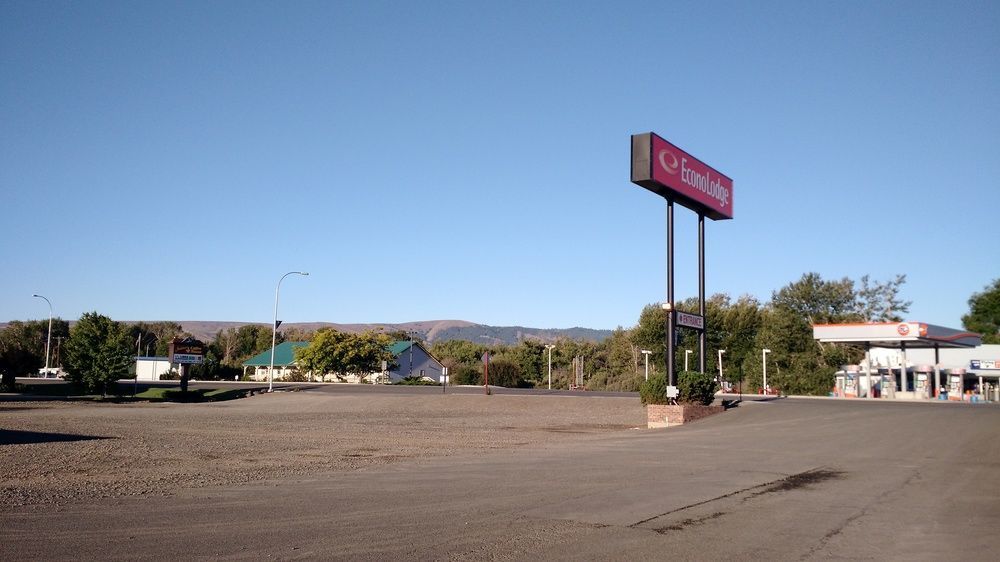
x=880, y=302
x=98, y=353
x=984, y=313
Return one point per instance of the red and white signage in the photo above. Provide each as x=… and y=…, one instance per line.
x=665, y=169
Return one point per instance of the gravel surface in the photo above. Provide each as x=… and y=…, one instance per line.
x=60, y=453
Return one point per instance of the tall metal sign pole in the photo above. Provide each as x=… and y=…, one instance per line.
x=669, y=304
x=675, y=175
x=701, y=290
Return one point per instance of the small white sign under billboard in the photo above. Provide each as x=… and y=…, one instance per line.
x=690, y=320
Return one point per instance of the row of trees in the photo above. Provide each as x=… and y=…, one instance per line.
x=94, y=354
x=98, y=351
x=742, y=327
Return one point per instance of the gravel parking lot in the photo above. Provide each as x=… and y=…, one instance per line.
x=60, y=453
x=387, y=474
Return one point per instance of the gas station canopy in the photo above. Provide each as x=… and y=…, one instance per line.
x=908, y=335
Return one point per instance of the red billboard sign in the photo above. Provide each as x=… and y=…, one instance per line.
x=666, y=170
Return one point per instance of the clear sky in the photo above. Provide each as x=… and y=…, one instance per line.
x=470, y=160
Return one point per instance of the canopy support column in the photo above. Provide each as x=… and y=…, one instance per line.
x=902, y=368
x=868, y=368
x=937, y=370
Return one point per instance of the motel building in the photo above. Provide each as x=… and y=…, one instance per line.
x=915, y=361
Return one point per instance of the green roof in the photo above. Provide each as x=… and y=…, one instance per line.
x=399, y=346
x=284, y=355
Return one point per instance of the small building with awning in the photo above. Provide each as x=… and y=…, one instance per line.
x=902, y=336
x=411, y=359
x=284, y=362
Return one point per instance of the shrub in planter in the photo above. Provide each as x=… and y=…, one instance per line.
x=654, y=391
x=695, y=388
x=692, y=388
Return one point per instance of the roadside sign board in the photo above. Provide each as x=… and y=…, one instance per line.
x=187, y=351
x=690, y=320
x=187, y=359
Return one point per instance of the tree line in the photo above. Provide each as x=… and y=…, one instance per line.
x=98, y=351
x=743, y=327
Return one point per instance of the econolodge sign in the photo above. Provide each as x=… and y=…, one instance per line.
x=670, y=172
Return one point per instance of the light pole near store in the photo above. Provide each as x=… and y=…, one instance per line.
x=550, y=347
x=645, y=354
x=721, y=351
x=763, y=360
x=687, y=352
x=48, y=340
x=274, y=329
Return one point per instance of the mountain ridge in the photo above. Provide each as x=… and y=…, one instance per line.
x=429, y=331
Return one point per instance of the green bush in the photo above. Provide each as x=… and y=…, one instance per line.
x=695, y=388
x=692, y=388
x=505, y=373
x=654, y=391
x=466, y=374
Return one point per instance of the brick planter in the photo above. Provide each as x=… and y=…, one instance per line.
x=662, y=415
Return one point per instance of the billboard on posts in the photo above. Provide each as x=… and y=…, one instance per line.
x=187, y=351
x=666, y=170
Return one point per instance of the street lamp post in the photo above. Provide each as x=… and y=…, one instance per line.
x=721, y=351
x=764, y=353
x=274, y=329
x=48, y=340
x=550, y=347
x=645, y=353
x=687, y=352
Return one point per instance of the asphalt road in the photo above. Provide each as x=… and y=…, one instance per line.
x=780, y=480
x=126, y=385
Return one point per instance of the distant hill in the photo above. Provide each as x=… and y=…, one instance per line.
x=429, y=331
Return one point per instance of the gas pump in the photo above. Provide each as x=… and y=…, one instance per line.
x=841, y=383
x=923, y=381
x=888, y=383
x=851, y=381
x=955, y=377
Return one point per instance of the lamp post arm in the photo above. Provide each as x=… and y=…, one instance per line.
x=48, y=340
x=274, y=329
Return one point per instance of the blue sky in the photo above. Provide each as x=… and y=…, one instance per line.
x=470, y=160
